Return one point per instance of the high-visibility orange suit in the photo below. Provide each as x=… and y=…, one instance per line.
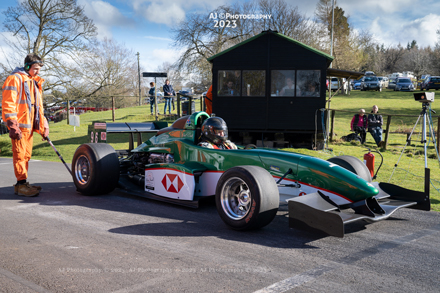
x=208, y=101
x=24, y=114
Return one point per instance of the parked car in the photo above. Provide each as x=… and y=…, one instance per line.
x=159, y=96
x=391, y=83
x=3, y=128
x=384, y=81
x=371, y=83
x=404, y=84
x=369, y=73
x=421, y=80
x=431, y=82
x=335, y=84
x=356, y=84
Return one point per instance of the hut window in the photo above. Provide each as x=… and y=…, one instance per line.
x=228, y=82
x=254, y=83
x=308, y=82
x=283, y=83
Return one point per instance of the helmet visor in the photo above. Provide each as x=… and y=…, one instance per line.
x=221, y=133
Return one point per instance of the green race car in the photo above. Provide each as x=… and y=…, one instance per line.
x=248, y=183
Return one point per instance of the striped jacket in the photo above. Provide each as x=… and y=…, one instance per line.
x=22, y=101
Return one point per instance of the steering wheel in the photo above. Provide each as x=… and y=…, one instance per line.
x=250, y=147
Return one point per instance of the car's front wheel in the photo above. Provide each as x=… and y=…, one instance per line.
x=95, y=168
x=354, y=165
x=247, y=197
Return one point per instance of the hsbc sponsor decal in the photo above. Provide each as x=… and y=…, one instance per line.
x=172, y=183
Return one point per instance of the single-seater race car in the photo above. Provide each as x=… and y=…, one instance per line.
x=247, y=182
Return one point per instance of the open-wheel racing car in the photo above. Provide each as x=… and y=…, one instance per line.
x=247, y=182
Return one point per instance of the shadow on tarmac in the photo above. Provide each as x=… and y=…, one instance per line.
x=200, y=222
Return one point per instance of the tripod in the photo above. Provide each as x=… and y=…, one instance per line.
x=425, y=116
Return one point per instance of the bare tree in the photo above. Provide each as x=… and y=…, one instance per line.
x=201, y=38
x=106, y=69
x=173, y=75
x=418, y=60
x=54, y=29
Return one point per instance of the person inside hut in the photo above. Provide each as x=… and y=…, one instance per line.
x=230, y=89
x=289, y=88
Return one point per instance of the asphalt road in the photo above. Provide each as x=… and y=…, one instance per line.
x=62, y=241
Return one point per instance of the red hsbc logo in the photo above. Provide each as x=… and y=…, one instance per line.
x=172, y=183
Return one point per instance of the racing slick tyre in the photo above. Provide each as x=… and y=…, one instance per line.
x=95, y=168
x=354, y=165
x=247, y=197
x=250, y=146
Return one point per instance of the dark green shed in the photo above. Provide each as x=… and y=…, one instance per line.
x=270, y=84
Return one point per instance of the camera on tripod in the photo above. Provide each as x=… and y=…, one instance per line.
x=425, y=97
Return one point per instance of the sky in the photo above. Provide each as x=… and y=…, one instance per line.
x=144, y=26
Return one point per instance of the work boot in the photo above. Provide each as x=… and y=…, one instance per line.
x=33, y=186
x=26, y=189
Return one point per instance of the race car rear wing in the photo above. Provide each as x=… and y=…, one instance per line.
x=98, y=131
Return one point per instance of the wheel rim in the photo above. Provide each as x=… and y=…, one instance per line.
x=82, y=170
x=236, y=198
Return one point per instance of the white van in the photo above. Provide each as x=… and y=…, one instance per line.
x=335, y=84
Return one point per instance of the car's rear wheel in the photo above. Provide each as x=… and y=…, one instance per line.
x=354, y=165
x=247, y=197
x=95, y=168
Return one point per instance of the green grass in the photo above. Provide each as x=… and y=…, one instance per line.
x=409, y=173
x=410, y=170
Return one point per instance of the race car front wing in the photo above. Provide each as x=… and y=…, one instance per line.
x=317, y=212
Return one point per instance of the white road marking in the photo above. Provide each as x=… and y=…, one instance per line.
x=298, y=280
x=312, y=274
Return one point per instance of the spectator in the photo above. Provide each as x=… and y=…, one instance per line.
x=359, y=125
x=375, y=122
x=289, y=89
x=311, y=89
x=152, y=94
x=24, y=114
x=230, y=89
x=169, y=94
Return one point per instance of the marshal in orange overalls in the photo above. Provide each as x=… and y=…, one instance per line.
x=24, y=114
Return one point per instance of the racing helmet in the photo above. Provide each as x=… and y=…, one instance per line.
x=215, y=130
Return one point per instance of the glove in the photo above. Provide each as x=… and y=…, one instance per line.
x=14, y=130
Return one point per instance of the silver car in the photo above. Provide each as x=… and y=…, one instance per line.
x=371, y=83
x=404, y=84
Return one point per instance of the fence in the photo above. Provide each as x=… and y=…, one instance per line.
x=386, y=129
